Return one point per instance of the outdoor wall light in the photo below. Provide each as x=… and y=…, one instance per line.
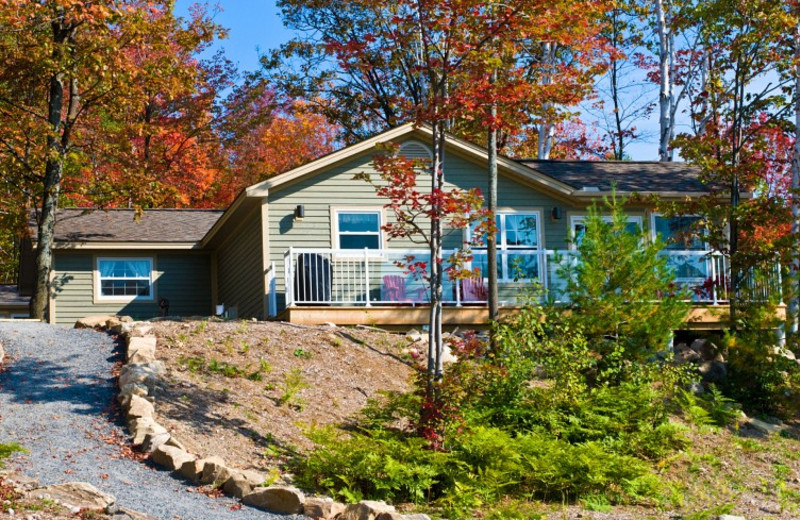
x=299, y=212
x=556, y=213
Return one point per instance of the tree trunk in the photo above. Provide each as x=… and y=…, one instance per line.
x=491, y=238
x=435, y=347
x=52, y=179
x=794, y=302
x=546, y=129
x=665, y=94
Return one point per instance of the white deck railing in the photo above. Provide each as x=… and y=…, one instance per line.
x=370, y=277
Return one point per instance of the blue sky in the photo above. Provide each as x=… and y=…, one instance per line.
x=255, y=27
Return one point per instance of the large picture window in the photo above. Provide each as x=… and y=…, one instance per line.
x=518, y=243
x=125, y=278
x=358, y=229
x=678, y=233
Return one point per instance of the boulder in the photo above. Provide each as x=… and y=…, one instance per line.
x=765, y=427
x=137, y=330
x=143, y=427
x=155, y=438
x=136, y=406
x=170, y=457
x=74, y=495
x=141, y=349
x=193, y=469
x=389, y=516
x=93, y=322
x=243, y=482
x=713, y=371
x=687, y=355
x=707, y=350
x=277, y=499
x=132, y=389
x=175, y=443
x=322, y=507
x=730, y=517
x=215, y=472
x=146, y=374
x=447, y=355
x=366, y=510
x=416, y=516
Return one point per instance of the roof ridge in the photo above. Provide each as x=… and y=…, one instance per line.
x=612, y=161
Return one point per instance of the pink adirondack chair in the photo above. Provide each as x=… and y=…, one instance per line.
x=474, y=290
x=393, y=289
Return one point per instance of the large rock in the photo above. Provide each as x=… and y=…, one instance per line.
x=193, y=469
x=142, y=428
x=137, y=407
x=242, y=482
x=170, y=457
x=322, y=507
x=277, y=499
x=93, y=322
x=145, y=374
x=730, y=517
x=141, y=349
x=713, y=371
x=765, y=427
x=366, y=510
x=75, y=495
x=154, y=439
x=215, y=472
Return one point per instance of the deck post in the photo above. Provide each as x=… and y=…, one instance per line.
x=714, y=280
x=288, y=282
x=366, y=277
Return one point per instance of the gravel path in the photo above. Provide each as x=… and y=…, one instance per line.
x=55, y=400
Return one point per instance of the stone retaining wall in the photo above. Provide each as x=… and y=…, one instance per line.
x=138, y=378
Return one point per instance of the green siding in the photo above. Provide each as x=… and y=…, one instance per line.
x=183, y=278
x=337, y=188
x=240, y=269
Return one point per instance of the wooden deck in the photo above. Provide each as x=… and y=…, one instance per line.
x=701, y=317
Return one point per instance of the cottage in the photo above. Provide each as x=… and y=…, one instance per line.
x=308, y=245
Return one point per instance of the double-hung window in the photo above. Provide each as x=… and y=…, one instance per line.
x=518, y=245
x=125, y=279
x=578, y=227
x=358, y=229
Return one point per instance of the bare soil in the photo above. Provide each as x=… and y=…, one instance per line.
x=247, y=390
x=252, y=424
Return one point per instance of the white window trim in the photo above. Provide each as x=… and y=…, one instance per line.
x=654, y=233
x=575, y=219
x=98, y=293
x=336, y=210
x=503, y=247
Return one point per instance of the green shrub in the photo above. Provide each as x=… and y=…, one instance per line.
x=621, y=290
x=8, y=449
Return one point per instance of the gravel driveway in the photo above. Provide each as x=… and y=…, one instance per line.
x=55, y=399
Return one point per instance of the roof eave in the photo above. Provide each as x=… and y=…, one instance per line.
x=66, y=245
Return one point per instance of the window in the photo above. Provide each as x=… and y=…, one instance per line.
x=678, y=233
x=358, y=229
x=578, y=227
x=684, y=247
x=518, y=242
x=125, y=278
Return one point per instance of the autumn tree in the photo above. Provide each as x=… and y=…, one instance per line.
x=265, y=134
x=745, y=41
x=65, y=62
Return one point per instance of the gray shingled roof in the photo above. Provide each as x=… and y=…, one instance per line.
x=627, y=176
x=120, y=225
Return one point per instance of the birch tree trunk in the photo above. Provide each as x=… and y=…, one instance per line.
x=665, y=92
x=491, y=238
x=546, y=130
x=794, y=302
